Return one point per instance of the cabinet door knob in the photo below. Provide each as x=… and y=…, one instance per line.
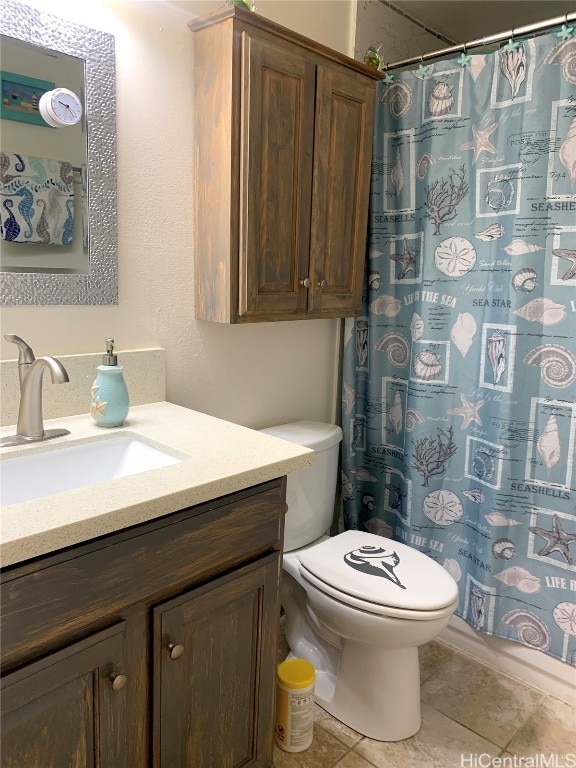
x=118, y=682
x=175, y=650
x=322, y=284
x=306, y=282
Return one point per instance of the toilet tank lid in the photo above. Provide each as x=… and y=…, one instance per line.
x=311, y=434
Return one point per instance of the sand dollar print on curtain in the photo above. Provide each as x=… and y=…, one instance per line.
x=459, y=390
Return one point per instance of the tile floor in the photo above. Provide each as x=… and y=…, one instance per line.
x=470, y=714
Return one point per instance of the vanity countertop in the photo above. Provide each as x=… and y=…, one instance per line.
x=219, y=458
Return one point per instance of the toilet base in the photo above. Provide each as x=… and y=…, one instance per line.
x=324, y=686
x=376, y=692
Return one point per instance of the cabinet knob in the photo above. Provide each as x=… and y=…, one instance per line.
x=306, y=282
x=118, y=682
x=322, y=284
x=175, y=650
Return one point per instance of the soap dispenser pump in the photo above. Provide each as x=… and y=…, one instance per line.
x=110, y=401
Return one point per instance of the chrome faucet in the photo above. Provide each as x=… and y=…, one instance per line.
x=30, y=426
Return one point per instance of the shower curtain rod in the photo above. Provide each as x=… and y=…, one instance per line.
x=515, y=32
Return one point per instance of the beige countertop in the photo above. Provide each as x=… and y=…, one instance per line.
x=218, y=458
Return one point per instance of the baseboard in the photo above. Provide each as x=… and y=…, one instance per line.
x=526, y=664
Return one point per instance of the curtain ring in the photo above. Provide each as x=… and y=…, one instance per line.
x=422, y=59
x=512, y=35
x=465, y=51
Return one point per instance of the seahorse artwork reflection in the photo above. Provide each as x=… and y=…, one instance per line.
x=26, y=208
x=68, y=229
x=11, y=228
x=42, y=226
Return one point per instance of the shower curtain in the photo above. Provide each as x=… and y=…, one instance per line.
x=459, y=410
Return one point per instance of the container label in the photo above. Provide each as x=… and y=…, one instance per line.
x=294, y=719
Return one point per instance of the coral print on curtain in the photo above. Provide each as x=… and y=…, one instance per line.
x=459, y=383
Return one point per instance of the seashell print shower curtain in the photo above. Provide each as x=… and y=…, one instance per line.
x=459, y=381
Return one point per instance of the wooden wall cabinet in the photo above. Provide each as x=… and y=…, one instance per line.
x=155, y=646
x=283, y=154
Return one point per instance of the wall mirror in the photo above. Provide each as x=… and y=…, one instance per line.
x=51, y=49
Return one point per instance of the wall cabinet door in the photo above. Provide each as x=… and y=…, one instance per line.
x=307, y=148
x=214, y=662
x=277, y=143
x=342, y=157
x=68, y=709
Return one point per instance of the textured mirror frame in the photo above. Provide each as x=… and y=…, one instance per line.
x=100, y=285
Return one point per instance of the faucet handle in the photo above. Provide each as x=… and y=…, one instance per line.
x=25, y=353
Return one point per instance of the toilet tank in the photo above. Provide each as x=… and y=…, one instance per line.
x=310, y=493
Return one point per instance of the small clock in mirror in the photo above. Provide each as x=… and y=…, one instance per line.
x=60, y=107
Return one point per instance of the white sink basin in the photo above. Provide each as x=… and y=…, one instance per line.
x=61, y=469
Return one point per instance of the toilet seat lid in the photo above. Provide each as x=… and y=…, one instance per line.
x=380, y=571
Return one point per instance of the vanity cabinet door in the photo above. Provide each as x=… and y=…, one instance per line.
x=342, y=159
x=278, y=133
x=214, y=662
x=69, y=708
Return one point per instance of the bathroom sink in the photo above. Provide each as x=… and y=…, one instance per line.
x=71, y=466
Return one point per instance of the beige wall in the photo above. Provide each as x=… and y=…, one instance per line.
x=254, y=375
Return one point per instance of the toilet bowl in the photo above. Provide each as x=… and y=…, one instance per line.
x=357, y=605
x=365, y=648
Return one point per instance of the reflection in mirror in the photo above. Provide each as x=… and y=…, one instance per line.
x=73, y=259
x=26, y=137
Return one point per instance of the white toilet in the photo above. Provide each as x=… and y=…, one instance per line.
x=357, y=605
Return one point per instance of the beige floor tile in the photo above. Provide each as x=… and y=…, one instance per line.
x=326, y=750
x=342, y=732
x=550, y=730
x=480, y=698
x=354, y=760
x=432, y=655
x=440, y=743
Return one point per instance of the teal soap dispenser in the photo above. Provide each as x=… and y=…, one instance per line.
x=110, y=401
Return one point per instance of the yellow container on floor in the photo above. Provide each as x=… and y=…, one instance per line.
x=294, y=705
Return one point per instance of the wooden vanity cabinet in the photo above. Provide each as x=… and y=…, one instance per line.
x=207, y=700
x=283, y=154
x=154, y=646
x=68, y=708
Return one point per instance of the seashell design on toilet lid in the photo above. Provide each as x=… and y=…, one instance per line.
x=377, y=570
